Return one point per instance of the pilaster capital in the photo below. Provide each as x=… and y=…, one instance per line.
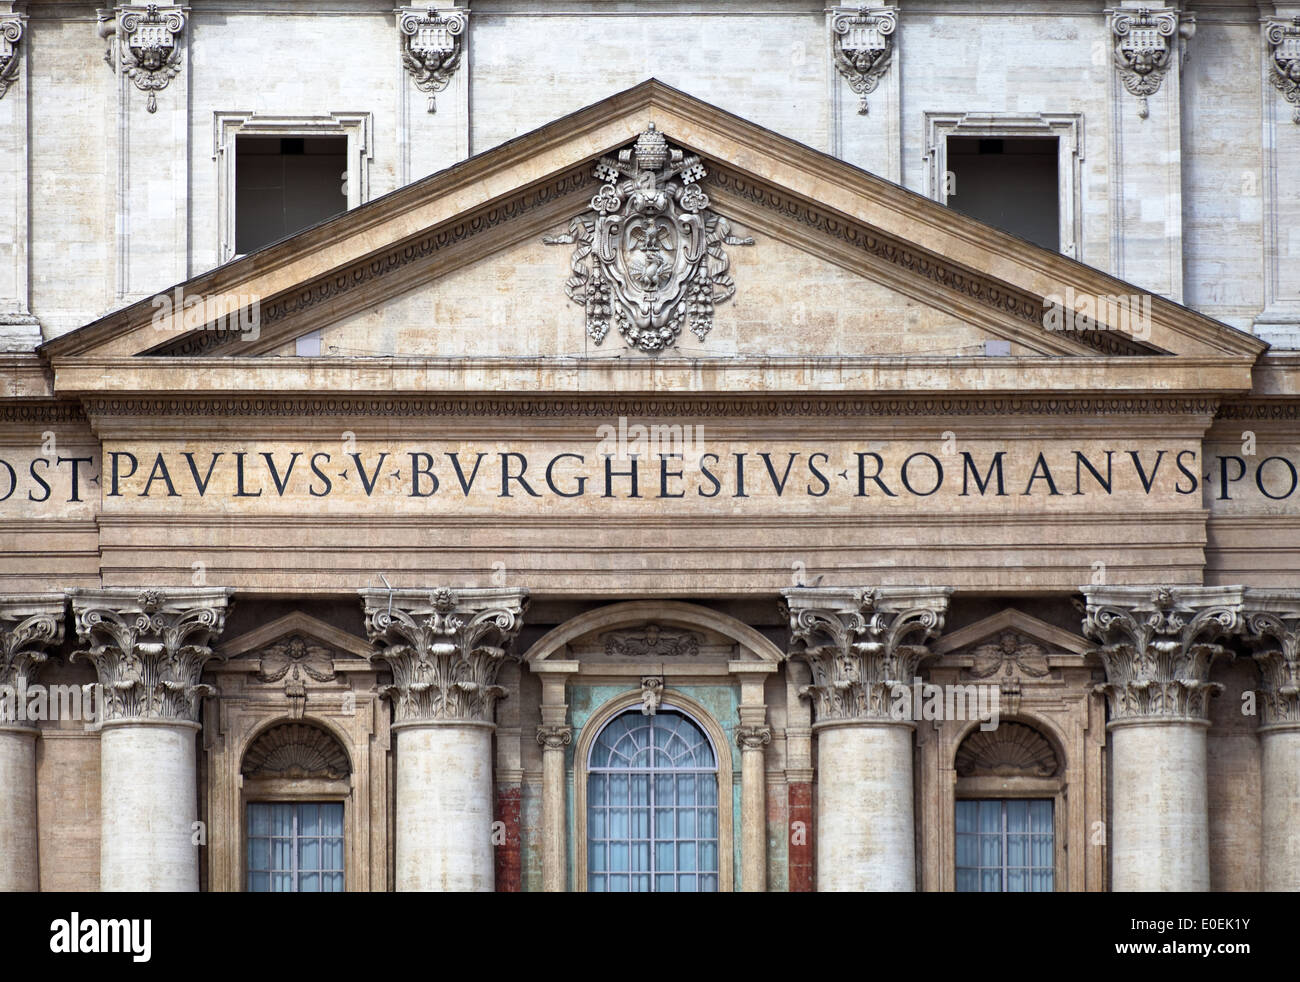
x=861, y=643
x=1272, y=630
x=149, y=647
x=1157, y=645
x=445, y=648
x=29, y=623
x=753, y=737
x=554, y=737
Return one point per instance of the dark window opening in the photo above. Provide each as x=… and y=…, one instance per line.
x=286, y=184
x=1012, y=183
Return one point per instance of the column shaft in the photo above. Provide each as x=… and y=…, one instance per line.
x=753, y=820
x=19, y=870
x=1281, y=814
x=554, y=858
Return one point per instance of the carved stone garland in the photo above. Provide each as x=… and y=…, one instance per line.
x=11, y=33
x=1157, y=647
x=651, y=641
x=295, y=660
x=149, y=650
x=445, y=649
x=862, y=41
x=855, y=644
x=432, y=44
x=649, y=257
x=148, y=44
x=1142, y=40
x=1284, y=61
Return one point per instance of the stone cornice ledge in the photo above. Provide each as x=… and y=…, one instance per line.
x=574, y=376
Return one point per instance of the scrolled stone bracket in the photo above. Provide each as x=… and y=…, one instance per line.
x=149, y=648
x=145, y=43
x=1283, y=39
x=1157, y=646
x=11, y=34
x=554, y=737
x=432, y=45
x=861, y=644
x=1142, y=40
x=862, y=44
x=445, y=648
x=750, y=738
x=1272, y=631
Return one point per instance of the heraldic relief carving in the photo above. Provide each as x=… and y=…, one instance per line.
x=1142, y=50
x=11, y=32
x=1284, y=65
x=863, y=44
x=649, y=256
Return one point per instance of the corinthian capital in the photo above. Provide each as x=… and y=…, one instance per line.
x=445, y=648
x=28, y=625
x=149, y=647
x=1272, y=630
x=862, y=643
x=1157, y=645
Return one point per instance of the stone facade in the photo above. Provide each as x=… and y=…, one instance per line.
x=677, y=411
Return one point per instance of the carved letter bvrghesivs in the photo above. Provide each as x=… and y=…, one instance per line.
x=649, y=256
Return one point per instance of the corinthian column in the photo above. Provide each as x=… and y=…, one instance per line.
x=149, y=648
x=445, y=648
x=28, y=625
x=857, y=645
x=1273, y=631
x=1157, y=646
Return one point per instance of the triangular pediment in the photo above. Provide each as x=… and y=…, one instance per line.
x=294, y=636
x=1011, y=636
x=844, y=265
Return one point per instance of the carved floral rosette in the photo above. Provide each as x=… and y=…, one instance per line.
x=149, y=649
x=149, y=47
x=1272, y=630
x=432, y=44
x=1143, y=48
x=862, y=40
x=861, y=645
x=649, y=256
x=11, y=33
x=445, y=649
x=1157, y=647
x=1284, y=61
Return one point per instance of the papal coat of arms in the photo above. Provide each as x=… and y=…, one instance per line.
x=649, y=256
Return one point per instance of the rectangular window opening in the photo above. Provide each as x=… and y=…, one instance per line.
x=1012, y=183
x=1006, y=846
x=284, y=184
x=295, y=847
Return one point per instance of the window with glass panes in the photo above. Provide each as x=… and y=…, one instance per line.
x=652, y=806
x=295, y=847
x=1006, y=845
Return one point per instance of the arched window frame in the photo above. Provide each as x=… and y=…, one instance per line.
x=675, y=702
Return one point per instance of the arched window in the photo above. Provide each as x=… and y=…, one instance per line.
x=652, y=806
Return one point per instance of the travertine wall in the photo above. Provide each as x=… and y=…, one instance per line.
x=1191, y=202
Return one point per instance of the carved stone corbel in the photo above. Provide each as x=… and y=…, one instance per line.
x=11, y=34
x=1283, y=39
x=28, y=626
x=862, y=644
x=1142, y=39
x=149, y=648
x=1157, y=646
x=432, y=44
x=652, y=695
x=1272, y=630
x=445, y=648
x=862, y=43
x=145, y=42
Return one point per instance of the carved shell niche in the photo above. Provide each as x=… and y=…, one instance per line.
x=1012, y=750
x=296, y=750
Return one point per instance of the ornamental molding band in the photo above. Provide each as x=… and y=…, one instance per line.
x=862, y=44
x=432, y=44
x=1272, y=630
x=649, y=255
x=861, y=644
x=1157, y=646
x=145, y=43
x=651, y=641
x=28, y=625
x=11, y=33
x=295, y=660
x=149, y=648
x=554, y=736
x=445, y=648
x=1142, y=40
x=1283, y=60
x=1012, y=750
x=296, y=750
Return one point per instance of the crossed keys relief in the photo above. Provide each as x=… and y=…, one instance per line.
x=649, y=256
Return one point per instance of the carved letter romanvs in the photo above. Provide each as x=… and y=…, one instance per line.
x=650, y=258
